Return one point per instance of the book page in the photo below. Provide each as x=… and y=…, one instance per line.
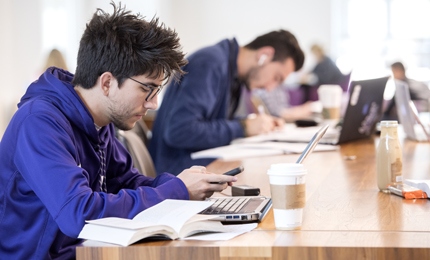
x=191, y=228
x=201, y=217
x=120, y=223
x=230, y=232
x=173, y=213
x=107, y=234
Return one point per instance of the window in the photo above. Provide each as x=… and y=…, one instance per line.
x=372, y=34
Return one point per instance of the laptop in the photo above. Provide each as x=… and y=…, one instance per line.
x=252, y=208
x=244, y=209
x=408, y=114
x=363, y=112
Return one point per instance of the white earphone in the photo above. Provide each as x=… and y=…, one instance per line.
x=263, y=57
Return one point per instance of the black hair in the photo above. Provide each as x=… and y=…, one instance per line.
x=285, y=45
x=126, y=45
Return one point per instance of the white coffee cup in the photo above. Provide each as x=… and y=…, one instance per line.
x=287, y=186
x=330, y=97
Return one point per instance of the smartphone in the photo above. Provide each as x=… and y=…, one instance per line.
x=235, y=171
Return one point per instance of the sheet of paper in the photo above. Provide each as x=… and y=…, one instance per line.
x=233, y=152
x=173, y=213
x=243, y=150
x=120, y=223
x=233, y=231
x=290, y=133
x=287, y=147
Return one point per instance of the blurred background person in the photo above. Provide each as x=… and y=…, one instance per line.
x=199, y=112
x=324, y=72
x=278, y=103
x=292, y=103
x=56, y=59
x=419, y=91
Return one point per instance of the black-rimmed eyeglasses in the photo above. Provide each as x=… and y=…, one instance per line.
x=153, y=90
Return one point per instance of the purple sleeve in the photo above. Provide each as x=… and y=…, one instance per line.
x=121, y=173
x=47, y=161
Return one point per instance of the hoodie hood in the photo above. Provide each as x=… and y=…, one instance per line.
x=55, y=85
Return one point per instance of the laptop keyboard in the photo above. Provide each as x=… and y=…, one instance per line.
x=226, y=206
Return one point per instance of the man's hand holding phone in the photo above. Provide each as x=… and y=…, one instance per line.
x=202, y=184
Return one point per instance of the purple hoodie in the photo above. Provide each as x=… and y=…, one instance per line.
x=49, y=174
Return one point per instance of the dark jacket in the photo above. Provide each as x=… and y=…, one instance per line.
x=193, y=115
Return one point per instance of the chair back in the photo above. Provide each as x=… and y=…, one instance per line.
x=142, y=130
x=142, y=160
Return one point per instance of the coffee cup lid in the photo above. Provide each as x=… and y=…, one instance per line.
x=287, y=169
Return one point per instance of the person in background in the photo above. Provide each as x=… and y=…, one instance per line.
x=419, y=91
x=325, y=71
x=60, y=163
x=278, y=103
x=55, y=59
x=198, y=112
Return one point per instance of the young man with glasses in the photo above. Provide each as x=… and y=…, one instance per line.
x=60, y=163
x=198, y=112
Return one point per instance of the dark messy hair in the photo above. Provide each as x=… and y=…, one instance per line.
x=126, y=45
x=285, y=45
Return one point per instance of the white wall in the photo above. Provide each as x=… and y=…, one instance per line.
x=201, y=23
x=19, y=52
x=198, y=22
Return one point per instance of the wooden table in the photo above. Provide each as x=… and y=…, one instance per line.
x=345, y=217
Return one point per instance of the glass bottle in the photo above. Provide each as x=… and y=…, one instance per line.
x=389, y=157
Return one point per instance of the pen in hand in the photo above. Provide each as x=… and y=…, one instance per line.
x=261, y=110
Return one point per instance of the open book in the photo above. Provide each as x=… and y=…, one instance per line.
x=172, y=219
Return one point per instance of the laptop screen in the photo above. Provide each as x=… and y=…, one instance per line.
x=406, y=114
x=364, y=109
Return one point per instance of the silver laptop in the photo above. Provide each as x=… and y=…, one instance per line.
x=239, y=209
x=408, y=114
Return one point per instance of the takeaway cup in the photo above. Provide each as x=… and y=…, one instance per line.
x=330, y=97
x=288, y=190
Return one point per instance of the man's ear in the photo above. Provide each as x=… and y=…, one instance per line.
x=106, y=81
x=290, y=64
x=265, y=54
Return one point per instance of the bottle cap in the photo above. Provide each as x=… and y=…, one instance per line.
x=391, y=123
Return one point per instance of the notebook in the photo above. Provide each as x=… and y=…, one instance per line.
x=408, y=114
x=239, y=209
x=363, y=112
